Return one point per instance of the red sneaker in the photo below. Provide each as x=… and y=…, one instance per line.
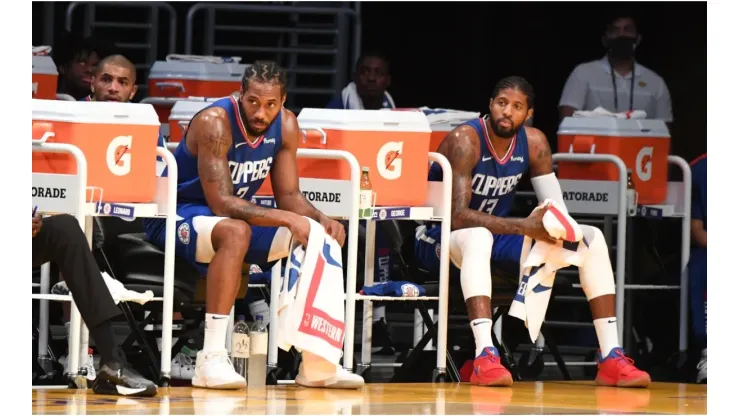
x=618, y=370
x=488, y=371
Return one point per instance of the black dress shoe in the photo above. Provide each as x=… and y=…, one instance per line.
x=117, y=378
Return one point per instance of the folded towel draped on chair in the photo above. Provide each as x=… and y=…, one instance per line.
x=540, y=260
x=311, y=306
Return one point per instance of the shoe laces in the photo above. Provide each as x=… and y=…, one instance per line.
x=702, y=366
x=222, y=357
x=184, y=361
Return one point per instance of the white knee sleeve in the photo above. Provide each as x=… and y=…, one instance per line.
x=204, y=226
x=597, y=277
x=470, y=250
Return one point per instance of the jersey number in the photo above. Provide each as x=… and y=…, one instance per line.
x=241, y=192
x=488, y=205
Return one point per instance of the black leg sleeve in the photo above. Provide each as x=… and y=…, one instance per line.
x=62, y=241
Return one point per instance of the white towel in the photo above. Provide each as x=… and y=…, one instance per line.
x=204, y=59
x=311, y=306
x=41, y=50
x=540, y=262
x=602, y=112
x=121, y=294
x=351, y=99
x=444, y=115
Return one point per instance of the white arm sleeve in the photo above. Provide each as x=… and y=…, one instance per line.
x=547, y=186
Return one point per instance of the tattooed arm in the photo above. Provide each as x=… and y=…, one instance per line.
x=462, y=149
x=540, y=156
x=284, y=176
x=209, y=138
x=284, y=172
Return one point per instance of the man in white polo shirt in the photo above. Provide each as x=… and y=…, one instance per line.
x=616, y=82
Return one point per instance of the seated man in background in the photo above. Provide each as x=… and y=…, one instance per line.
x=59, y=239
x=228, y=150
x=369, y=89
x=76, y=59
x=488, y=157
x=698, y=260
x=617, y=82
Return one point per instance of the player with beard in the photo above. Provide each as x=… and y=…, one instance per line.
x=488, y=158
x=229, y=149
x=114, y=79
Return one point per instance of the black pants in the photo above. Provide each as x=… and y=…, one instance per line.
x=62, y=241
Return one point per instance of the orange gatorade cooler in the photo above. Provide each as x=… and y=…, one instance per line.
x=44, y=78
x=393, y=144
x=643, y=146
x=181, y=114
x=119, y=141
x=192, y=76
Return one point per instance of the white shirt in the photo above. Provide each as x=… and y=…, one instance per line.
x=590, y=86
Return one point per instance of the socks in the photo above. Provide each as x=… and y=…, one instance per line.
x=105, y=341
x=378, y=313
x=606, y=332
x=482, y=333
x=215, y=333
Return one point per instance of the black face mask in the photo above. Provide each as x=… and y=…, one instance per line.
x=622, y=47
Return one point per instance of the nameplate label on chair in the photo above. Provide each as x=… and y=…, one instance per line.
x=590, y=197
x=330, y=196
x=55, y=193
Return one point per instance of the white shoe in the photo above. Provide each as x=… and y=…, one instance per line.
x=214, y=370
x=343, y=379
x=701, y=376
x=88, y=365
x=183, y=367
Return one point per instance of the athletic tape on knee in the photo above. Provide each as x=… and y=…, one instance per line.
x=596, y=275
x=203, y=226
x=472, y=246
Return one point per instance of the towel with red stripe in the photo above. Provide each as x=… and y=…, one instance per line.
x=540, y=260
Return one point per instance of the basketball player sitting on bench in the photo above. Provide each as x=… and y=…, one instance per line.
x=488, y=157
x=229, y=149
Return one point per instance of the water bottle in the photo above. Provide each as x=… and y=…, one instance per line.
x=257, y=354
x=240, y=346
x=366, y=194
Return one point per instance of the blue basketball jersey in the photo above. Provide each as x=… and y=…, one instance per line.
x=249, y=163
x=494, y=180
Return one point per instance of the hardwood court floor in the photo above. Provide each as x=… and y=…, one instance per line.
x=442, y=399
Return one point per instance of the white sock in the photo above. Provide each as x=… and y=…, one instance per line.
x=378, y=313
x=606, y=332
x=482, y=333
x=215, y=333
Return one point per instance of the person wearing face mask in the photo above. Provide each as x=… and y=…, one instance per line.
x=617, y=82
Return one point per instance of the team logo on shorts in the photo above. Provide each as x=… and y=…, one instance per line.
x=183, y=233
x=409, y=291
x=438, y=250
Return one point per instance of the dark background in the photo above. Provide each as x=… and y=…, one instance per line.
x=450, y=56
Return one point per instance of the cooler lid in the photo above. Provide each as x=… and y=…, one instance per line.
x=443, y=119
x=199, y=71
x=610, y=126
x=94, y=112
x=372, y=120
x=186, y=109
x=43, y=65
